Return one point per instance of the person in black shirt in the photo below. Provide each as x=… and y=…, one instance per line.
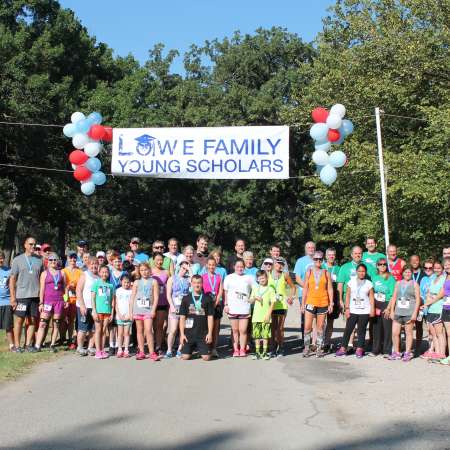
x=417, y=275
x=239, y=248
x=196, y=321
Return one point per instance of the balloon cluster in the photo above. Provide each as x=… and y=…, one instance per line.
x=86, y=134
x=329, y=128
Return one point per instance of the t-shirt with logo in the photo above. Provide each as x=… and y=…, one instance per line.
x=104, y=293
x=196, y=308
x=370, y=260
x=261, y=308
x=359, y=296
x=123, y=297
x=27, y=270
x=347, y=272
x=238, y=288
x=383, y=288
x=4, y=286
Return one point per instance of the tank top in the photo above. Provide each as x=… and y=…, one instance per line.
x=180, y=288
x=143, y=300
x=72, y=277
x=211, y=284
x=434, y=288
x=89, y=279
x=406, y=298
x=396, y=268
x=53, y=287
x=317, y=289
x=115, y=281
x=446, y=295
x=161, y=279
x=279, y=285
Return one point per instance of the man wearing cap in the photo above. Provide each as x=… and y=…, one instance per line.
x=139, y=256
x=82, y=248
x=45, y=251
x=101, y=257
x=24, y=290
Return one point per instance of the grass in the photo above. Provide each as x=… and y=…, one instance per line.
x=12, y=365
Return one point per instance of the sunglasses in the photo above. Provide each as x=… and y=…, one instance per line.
x=268, y=264
x=159, y=246
x=134, y=242
x=381, y=264
x=52, y=260
x=428, y=268
x=317, y=259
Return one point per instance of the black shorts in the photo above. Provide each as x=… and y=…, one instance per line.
x=6, y=318
x=162, y=308
x=218, y=312
x=316, y=309
x=198, y=344
x=433, y=318
x=279, y=312
x=27, y=307
x=445, y=316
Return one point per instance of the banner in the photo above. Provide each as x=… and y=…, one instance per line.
x=214, y=153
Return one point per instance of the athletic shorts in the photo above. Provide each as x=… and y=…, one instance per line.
x=445, y=316
x=162, y=308
x=402, y=320
x=198, y=344
x=261, y=330
x=103, y=316
x=433, y=318
x=27, y=307
x=218, y=312
x=55, y=307
x=85, y=323
x=142, y=317
x=125, y=323
x=316, y=310
x=6, y=318
x=279, y=312
x=238, y=316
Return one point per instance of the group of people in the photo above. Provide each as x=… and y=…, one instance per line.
x=171, y=304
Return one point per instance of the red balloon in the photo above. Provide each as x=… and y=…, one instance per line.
x=78, y=157
x=334, y=135
x=319, y=115
x=96, y=132
x=108, y=134
x=82, y=173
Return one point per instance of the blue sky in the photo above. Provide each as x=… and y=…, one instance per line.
x=134, y=26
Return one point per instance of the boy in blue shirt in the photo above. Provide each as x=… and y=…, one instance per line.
x=6, y=314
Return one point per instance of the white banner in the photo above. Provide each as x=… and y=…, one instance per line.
x=215, y=153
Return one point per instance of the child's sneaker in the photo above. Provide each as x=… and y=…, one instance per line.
x=395, y=356
x=266, y=356
x=407, y=356
x=105, y=354
x=256, y=356
x=178, y=354
x=154, y=356
x=140, y=356
x=242, y=353
x=427, y=355
x=126, y=354
x=91, y=351
x=119, y=353
x=341, y=352
x=98, y=355
x=359, y=352
x=168, y=355
x=236, y=354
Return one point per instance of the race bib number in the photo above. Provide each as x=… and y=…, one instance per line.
x=189, y=323
x=177, y=300
x=309, y=308
x=143, y=302
x=47, y=308
x=403, y=303
x=380, y=296
x=242, y=296
x=358, y=303
x=21, y=307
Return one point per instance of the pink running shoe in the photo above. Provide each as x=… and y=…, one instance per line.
x=98, y=355
x=236, y=353
x=126, y=354
x=140, y=356
x=105, y=355
x=427, y=355
x=242, y=353
x=395, y=356
x=154, y=357
x=119, y=353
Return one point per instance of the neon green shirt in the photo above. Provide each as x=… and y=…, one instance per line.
x=260, y=310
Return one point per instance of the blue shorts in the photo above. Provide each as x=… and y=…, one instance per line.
x=85, y=323
x=124, y=322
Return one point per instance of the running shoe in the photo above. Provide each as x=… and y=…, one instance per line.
x=82, y=352
x=126, y=354
x=359, y=353
x=17, y=349
x=120, y=353
x=91, y=351
x=140, y=356
x=242, y=353
x=426, y=355
x=320, y=353
x=256, y=356
x=168, y=355
x=105, y=354
x=395, y=356
x=341, y=352
x=445, y=361
x=307, y=353
x=407, y=356
x=53, y=349
x=99, y=355
x=372, y=354
x=154, y=356
x=266, y=356
x=178, y=354
x=32, y=349
x=236, y=354
x=280, y=353
x=72, y=346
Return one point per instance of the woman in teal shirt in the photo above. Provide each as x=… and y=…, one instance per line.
x=383, y=287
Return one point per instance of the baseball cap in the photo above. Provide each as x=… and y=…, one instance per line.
x=100, y=254
x=82, y=243
x=135, y=239
x=72, y=255
x=280, y=260
x=45, y=247
x=266, y=261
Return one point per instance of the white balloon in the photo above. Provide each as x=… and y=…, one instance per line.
x=88, y=188
x=334, y=121
x=80, y=140
x=92, y=149
x=328, y=175
x=320, y=157
x=338, y=109
x=77, y=116
x=337, y=158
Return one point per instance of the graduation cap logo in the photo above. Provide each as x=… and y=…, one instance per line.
x=145, y=145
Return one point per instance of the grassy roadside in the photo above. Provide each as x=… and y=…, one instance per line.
x=12, y=365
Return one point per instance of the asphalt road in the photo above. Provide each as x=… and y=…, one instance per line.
x=287, y=403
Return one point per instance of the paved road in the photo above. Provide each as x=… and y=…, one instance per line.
x=287, y=403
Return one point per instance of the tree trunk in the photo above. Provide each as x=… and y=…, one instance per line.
x=62, y=239
x=9, y=235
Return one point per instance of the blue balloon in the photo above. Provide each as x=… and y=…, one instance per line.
x=98, y=178
x=70, y=130
x=337, y=159
x=328, y=175
x=93, y=164
x=95, y=118
x=347, y=127
x=88, y=188
x=325, y=146
x=83, y=126
x=319, y=132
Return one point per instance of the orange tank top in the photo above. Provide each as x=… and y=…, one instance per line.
x=317, y=295
x=72, y=278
